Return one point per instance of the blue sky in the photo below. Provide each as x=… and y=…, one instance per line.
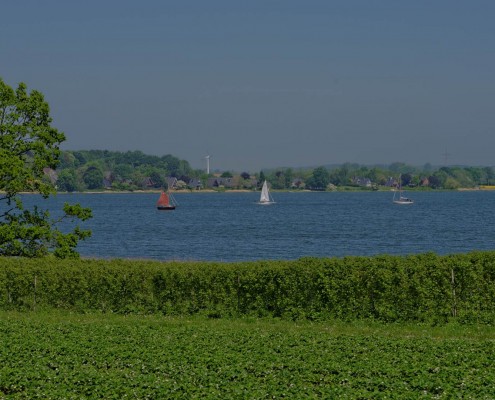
x=260, y=84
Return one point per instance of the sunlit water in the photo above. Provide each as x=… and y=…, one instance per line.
x=232, y=227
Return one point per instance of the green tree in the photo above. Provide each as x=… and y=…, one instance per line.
x=406, y=179
x=288, y=177
x=475, y=174
x=490, y=175
x=320, y=179
x=79, y=156
x=158, y=180
x=67, y=181
x=341, y=176
x=67, y=160
x=122, y=172
x=93, y=178
x=436, y=182
x=451, y=183
x=277, y=180
x=377, y=176
x=28, y=144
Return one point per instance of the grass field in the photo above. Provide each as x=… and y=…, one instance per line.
x=65, y=355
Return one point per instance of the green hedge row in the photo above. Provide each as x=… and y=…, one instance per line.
x=424, y=287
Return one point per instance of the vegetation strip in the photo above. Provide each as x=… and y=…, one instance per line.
x=62, y=355
x=133, y=170
x=419, y=288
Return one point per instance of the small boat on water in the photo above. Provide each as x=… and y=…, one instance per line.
x=265, y=197
x=401, y=199
x=166, y=202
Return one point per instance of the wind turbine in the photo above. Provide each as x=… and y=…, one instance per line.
x=207, y=164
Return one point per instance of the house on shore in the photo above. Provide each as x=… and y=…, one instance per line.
x=171, y=182
x=195, y=184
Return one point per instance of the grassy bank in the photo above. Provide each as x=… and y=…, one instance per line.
x=64, y=355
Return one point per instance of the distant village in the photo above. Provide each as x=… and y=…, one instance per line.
x=95, y=170
x=237, y=182
x=218, y=182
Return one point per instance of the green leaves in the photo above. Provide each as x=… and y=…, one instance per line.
x=65, y=355
x=383, y=288
x=31, y=233
x=28, y=145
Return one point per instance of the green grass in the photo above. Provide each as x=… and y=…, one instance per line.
x=66, y=355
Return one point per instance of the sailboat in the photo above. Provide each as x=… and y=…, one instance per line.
x=265, y=197
x=165, y=202
x=401, y=199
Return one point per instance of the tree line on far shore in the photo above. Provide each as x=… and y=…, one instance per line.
x=134, y=170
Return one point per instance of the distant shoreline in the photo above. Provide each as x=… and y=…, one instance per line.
x=353, y=190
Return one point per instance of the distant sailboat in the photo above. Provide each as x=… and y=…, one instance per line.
x=165, y=202
x=401, y=199
x=265, y=197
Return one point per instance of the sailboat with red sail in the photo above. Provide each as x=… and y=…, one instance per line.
x=165, y=202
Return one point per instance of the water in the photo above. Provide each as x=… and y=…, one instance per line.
x=232, y=227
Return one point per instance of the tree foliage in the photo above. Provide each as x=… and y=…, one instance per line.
x=93, y=178
x=67, y=181
x=122, y=170
x=28, y=145
x=319, y=179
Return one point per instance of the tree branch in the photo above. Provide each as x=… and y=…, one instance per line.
x=6, y=212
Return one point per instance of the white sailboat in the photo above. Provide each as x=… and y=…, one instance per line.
x=265, y=197
x=401, y=199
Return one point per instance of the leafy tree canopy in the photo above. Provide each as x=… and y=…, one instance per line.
x=320, y=178
x=67, y=181
x=28, y=145
x=93, y=178
x=122, y=170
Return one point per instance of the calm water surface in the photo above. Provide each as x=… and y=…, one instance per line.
x=232, y=227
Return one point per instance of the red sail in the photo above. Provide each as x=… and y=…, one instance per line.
x=163, y=201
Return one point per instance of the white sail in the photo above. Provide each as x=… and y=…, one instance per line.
x=265, y=197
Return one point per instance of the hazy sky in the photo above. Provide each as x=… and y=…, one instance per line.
x=263, y=83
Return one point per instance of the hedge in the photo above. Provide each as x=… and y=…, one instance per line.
x=424, y=287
